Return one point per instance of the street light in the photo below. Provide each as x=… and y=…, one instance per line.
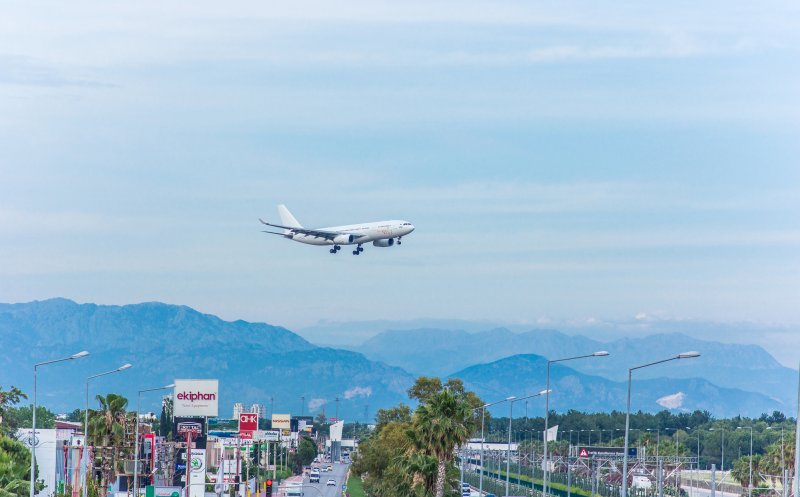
x=136, y=449
x=483, y=419
x=86, y=421
x=683, y=355
x=601, y=353
x=750, y=483
x=511, y=401
x=33, y=422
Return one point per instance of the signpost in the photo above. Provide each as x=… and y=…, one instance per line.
x=607, y=452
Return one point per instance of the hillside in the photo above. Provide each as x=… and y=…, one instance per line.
x=253, y=361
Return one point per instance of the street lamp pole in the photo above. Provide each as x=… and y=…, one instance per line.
x=86, y=423
x=511, y=401
x=684, y=355
x=483, y=419
x=33, y=421
x=601, y=353
x=136, y=444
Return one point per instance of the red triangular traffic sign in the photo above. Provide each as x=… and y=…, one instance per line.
x=584, y=453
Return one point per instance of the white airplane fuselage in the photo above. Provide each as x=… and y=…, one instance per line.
x=362, y=233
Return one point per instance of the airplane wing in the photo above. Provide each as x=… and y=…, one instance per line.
x=328, y=235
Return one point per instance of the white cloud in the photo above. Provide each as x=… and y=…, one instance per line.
x=315, y=404
x=358, y=392
x=673, y=401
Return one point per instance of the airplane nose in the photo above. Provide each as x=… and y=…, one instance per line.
x=410, y=228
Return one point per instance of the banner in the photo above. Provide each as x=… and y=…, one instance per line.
x=281, y=421
x=552, y=433
x=196, y=398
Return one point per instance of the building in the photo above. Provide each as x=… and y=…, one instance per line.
x=238, y=408
x=259, y=410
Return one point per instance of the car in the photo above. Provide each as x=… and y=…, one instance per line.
x=331, y=482
x=329, y=468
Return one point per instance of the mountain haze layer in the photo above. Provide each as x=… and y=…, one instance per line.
x=525, y=374
x=253, y=361
x=440, y=352
x=257, y=362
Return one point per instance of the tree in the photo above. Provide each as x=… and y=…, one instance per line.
x=741, y=470
x=398, y=414
x=15, y=463
x=8, y=399
x=107, y=429
x=164, y=425
x=22, y=417
x=440, y=425
x=306, y=451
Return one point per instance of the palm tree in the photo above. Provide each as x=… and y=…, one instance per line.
x=14, y=463
x=107, y=429
x=439, y=426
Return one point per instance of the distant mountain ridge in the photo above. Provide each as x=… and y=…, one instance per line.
x=525, y=374
x=439, y=352
x=257, y=362
x=253, y=361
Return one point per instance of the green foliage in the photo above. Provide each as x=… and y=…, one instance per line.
x=412, y=455
x=107, y=428
x=22, y=417
x=307, y=451
x=15, y=463
x=8, y=399
x=355, y=487
x=164, y=424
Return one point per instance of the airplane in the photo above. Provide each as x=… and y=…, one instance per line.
x=380, y=233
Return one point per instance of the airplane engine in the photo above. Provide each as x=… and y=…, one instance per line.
x=343, y=239
x=384, y=243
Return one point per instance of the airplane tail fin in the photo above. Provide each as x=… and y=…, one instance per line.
x=287, y=219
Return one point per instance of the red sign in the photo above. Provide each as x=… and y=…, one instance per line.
x=246, y=435
x=584, y=453
x=248, y=422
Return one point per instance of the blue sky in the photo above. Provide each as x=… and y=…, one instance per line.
x=562, y=161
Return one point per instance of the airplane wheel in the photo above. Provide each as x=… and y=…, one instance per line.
x=360, y=249
x=333, y=251
x=399, y=242
x=356, y=252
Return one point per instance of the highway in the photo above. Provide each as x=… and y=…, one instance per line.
x=321, y=489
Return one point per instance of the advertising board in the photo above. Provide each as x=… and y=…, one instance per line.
x=268, y=435
x=196, y=398
x=196, y=426
x=248, y=421
x=281, y=421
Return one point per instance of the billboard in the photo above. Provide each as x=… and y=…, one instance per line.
x=281, y=421
x=248, y=421
x=196, y=426
x=196, y=398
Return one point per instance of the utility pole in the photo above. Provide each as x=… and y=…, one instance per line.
x=302, y=405
x=337, y=409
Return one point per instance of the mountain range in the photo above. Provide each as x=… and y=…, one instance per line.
x=439, y=352
x=257, y=362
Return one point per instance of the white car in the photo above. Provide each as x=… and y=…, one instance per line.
x=331, y=482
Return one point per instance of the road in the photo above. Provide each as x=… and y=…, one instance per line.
x=324, y=490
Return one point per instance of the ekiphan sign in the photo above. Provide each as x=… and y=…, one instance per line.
x=196, y=398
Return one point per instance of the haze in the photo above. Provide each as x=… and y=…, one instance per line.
x=567, y=162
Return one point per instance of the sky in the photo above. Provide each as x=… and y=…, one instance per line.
x=562, y=161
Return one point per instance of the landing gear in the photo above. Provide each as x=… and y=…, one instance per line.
x=335, y=249
x=398, y=240
x=358, y=250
